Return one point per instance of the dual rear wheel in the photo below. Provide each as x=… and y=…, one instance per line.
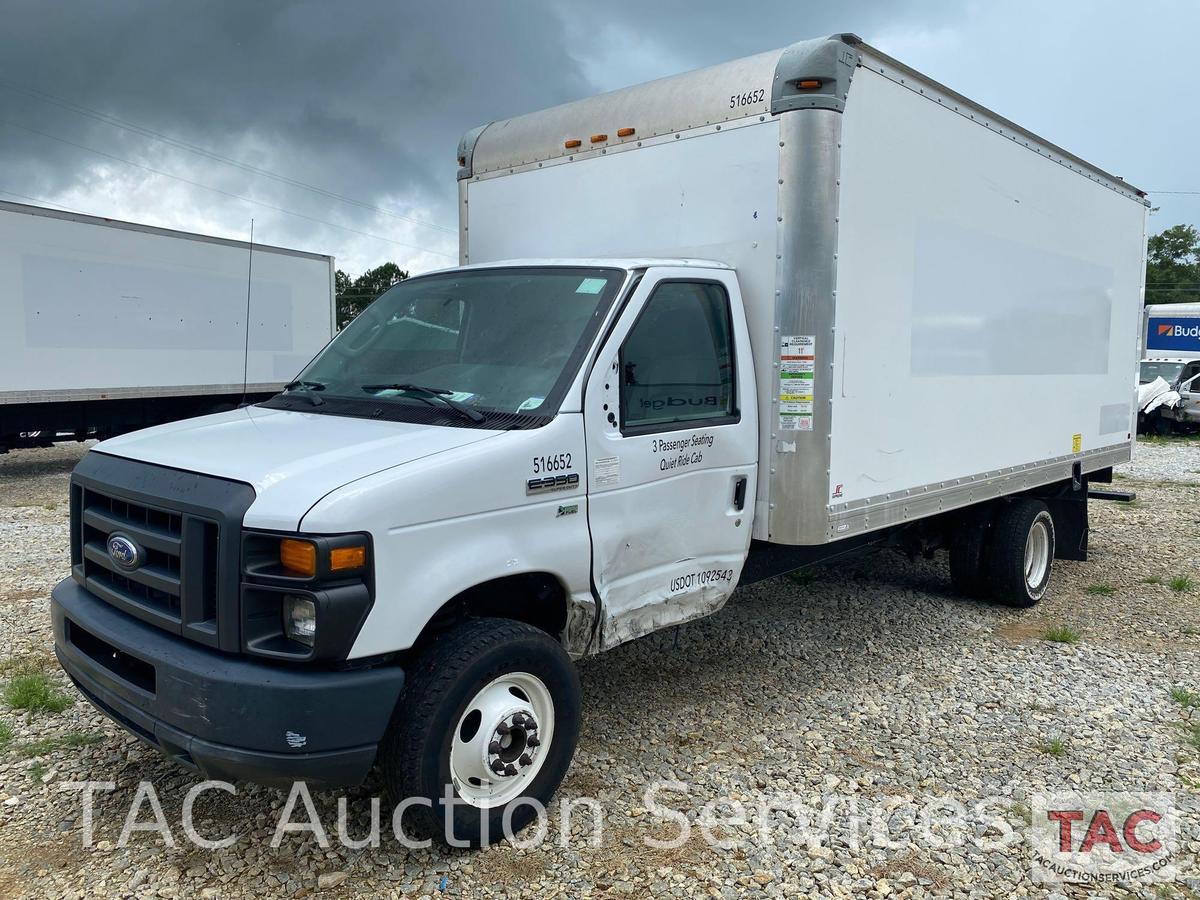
x=1004, y=552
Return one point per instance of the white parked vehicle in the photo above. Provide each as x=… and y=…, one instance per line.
x=112, y=326
x=707, y=330
x=1171, y=335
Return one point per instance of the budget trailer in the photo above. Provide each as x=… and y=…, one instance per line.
x=706, y=330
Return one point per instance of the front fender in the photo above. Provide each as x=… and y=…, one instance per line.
x=447, y=523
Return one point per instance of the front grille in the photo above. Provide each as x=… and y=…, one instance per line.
x=186, y=528
x=176, y=582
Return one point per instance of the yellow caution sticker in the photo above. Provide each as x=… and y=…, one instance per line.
x=1076, y=443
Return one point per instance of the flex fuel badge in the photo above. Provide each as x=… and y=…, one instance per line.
x=797, y=365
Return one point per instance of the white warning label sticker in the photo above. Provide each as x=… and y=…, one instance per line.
x=797, y=367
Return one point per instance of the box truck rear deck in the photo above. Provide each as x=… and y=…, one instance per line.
x=705, y=330
x=112, y=326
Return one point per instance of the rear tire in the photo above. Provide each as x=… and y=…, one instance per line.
x=1021, y=554
x=968, y=553
x=482, y=678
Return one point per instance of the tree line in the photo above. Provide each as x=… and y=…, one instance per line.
x=1173, y=266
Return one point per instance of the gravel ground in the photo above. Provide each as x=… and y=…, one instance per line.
x=867, y=684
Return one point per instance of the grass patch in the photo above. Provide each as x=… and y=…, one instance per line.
x=1181, y=583
x=1153, y=579
x=36, y=771
x=1186, y=698
x=1189, y=631
x=1120, y=476
x=46, y=746
x=1061, y=634
x=1191, y=733
x=6, y=734
x=1021, y=811
x=1053, y=747
x=34, y=692
x=1103, y=590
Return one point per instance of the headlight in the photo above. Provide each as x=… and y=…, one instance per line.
x=300, y=619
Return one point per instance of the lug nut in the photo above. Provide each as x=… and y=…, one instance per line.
x=525, y=759
x=510, y=769
x=494, y=747
x=503, y=728
x=519, y=719
x=531, y=725
x=497, y=767
x=533, y=742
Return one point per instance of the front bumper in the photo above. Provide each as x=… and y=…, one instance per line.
x=225, y=716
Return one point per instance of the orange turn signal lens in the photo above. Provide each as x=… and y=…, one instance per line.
x=342, y=558
x=298, y=557
x=808, y=84
x=625, y=132
x=572, y=143
x=598, y=138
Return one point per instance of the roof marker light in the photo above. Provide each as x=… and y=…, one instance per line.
x=572, y=143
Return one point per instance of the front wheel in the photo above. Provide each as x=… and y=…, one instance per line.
x=489, y=717
x=1021, y=553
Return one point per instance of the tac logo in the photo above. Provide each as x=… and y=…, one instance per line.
x=1103, y=838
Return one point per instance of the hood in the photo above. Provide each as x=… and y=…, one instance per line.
x=292, y=459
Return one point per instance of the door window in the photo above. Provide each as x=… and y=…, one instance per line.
x=677, y=365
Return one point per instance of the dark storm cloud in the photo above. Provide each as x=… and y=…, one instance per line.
x=367, y=99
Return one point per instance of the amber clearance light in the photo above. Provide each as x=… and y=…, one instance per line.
x=342, y=558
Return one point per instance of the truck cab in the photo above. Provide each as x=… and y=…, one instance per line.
x=1182, y=374
x=513, y=433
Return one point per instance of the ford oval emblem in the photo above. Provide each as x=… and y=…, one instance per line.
x=124, y=552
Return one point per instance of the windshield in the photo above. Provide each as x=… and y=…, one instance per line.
x=1167, y=371
x=468, y=347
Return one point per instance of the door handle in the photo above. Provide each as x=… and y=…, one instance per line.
x=739, y=493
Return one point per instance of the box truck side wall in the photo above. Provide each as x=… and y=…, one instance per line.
x=95, y=309
x=987, y=304
x=906, y=257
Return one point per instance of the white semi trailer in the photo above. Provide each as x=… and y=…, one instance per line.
x=706, y=330
x=111, y=326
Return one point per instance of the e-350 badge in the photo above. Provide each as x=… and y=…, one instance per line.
x=552, y=483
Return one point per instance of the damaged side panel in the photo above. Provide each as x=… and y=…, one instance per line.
x=659, y=609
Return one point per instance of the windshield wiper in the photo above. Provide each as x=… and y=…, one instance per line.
x=429, y=394
x=307, y=388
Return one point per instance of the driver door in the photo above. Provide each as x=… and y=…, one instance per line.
x=672, y=442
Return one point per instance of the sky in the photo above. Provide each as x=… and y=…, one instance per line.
x=334, y=125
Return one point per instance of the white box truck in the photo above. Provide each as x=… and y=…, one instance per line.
x=707, y=330
x=111, y=326
x=1171, y=351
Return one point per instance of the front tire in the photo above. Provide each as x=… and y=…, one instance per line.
x=491, y=709
x=1021, y=554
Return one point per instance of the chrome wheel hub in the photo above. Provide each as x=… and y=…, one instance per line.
x=1037, y=555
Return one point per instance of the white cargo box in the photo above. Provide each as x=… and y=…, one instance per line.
x=959, y=300
x=96, y=309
